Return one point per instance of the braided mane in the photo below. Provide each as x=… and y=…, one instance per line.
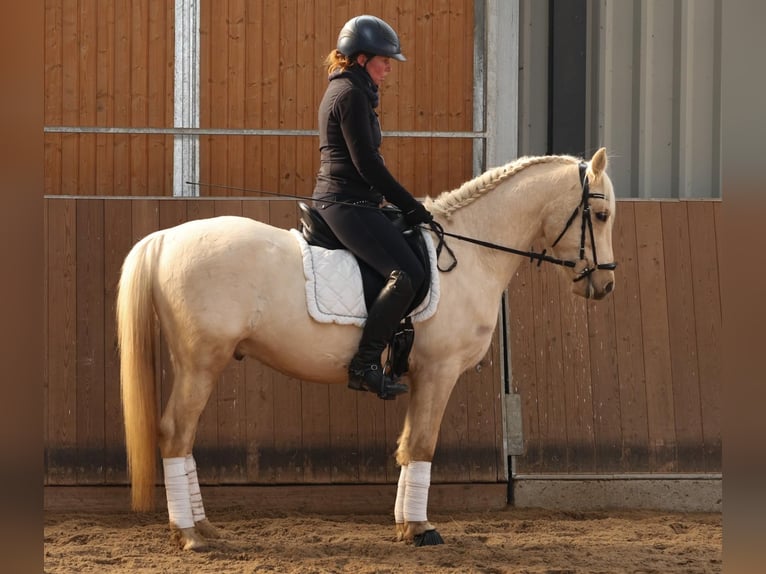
x=447, y=202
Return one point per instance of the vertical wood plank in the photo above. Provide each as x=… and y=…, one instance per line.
x=70, y=98
x=424, y=92
x=269, y=94
x=406, y=77
x=605, y=386
x=237, y=50
x=551, y=394
x=656, y=338
x=315, y=413
x=118, y=239
x=53, y=56
x=707, y=313
x=578, y=389
x=105, y=92
x=158, y=69
x=46, y=339
x=288, y=445
x=62, y=342
x=260, y=426
x=219, y=96
x=122, y=97
x=460, y=116
x=90, y=341
x=629, y=344
x=139, y=91
x=374, y=449
x=344, y=439
x=440, y=98
x=261, y=423
x=53, y=158
x=86, y=63
x=683, y=337
x=308, y=72
x=284, y=213
x=253, y=146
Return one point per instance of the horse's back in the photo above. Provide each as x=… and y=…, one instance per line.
x=225, y=236
x=222, y=273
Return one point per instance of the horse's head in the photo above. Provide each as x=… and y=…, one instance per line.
x=579, y=227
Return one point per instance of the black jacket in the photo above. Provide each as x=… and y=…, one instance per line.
x=351, y=166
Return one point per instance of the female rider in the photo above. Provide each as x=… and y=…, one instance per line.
x=353, y=176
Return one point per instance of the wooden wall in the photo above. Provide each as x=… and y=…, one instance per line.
x=110, y=65
x=259, y=426
x=631, y=383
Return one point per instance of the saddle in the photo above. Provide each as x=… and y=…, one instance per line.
x=315, y=231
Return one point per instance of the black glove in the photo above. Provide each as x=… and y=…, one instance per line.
x=418, y=214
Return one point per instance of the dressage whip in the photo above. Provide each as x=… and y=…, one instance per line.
x=436, y=228
x=278, y=195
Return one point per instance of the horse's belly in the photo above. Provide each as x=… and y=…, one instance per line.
x=295, y=353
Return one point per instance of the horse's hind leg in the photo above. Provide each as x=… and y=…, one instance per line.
x=178, y=428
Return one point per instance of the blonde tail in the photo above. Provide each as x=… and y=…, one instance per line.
x=136, y=337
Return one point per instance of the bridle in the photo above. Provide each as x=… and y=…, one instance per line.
x=585, y=223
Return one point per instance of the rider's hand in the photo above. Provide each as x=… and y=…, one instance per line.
x=418, y=214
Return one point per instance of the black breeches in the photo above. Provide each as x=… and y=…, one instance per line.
x=371, y=236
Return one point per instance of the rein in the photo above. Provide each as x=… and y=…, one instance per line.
x=438, y=230
x=586, y=221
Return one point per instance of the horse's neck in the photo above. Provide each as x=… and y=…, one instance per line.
x=510, y=215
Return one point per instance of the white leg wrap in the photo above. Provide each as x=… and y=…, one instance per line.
x=417, y=483
x=400, y=490
x=198, y=510
x=177, y=491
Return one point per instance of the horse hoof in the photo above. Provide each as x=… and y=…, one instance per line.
x=401, y=529
x=428, y=538
x=189, y=539
x=206, y=529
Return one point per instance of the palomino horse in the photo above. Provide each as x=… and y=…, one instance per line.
x=232, y=286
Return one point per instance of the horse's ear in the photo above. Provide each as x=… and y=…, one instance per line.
x=598, y=162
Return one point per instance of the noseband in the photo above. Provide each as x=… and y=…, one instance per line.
x=585, y=222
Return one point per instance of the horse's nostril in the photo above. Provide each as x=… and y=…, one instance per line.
x=609, y=287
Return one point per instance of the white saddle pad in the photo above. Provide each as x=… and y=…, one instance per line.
x=334, y=291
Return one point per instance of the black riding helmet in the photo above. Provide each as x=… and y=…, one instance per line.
x=369, y=35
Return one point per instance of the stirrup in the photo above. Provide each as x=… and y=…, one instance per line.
x=371, y=378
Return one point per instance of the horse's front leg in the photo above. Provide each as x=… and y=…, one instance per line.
x=417, y=443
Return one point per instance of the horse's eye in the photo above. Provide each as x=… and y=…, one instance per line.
x=602, y=215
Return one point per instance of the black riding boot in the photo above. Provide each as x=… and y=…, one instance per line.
x=364, y=370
